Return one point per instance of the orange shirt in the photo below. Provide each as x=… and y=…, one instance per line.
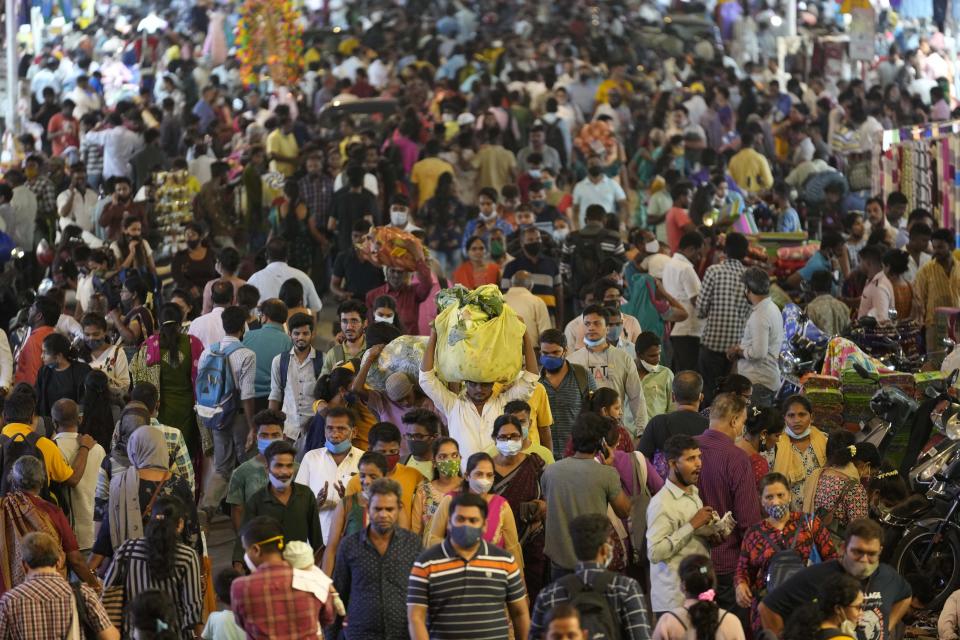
x=471, y=279
x=30, y=358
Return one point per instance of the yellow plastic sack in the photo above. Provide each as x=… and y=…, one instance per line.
x=488, y=352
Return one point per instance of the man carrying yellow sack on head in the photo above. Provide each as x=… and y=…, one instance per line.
x=470, y=414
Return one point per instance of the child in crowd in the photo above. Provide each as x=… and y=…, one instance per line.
x=221, y=625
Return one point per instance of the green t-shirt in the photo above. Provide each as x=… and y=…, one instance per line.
x=247, y=479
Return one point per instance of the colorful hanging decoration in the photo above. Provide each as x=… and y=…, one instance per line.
x=269, y=34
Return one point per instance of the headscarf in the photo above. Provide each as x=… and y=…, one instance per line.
x=147, y=449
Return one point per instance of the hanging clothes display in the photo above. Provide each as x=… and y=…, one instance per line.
x=921, y=163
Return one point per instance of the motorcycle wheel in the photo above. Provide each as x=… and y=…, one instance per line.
x=942, y=564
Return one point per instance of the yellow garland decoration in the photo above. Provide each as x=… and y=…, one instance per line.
x=269, y=33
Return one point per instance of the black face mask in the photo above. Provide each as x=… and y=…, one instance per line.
x=419, y=448
x=594, y=171
x=533, y=248
x=193, y=244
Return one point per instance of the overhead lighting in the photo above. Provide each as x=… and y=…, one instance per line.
x=776, y=20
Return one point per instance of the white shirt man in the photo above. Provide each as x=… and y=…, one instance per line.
x=84, y=204
x=119, y=145
x=208, y=328
x=318, y=469
x=296, y=397
x=82, y=496
x=269, y=280
x=23, y=213
x=681, y=281
x=606, y=193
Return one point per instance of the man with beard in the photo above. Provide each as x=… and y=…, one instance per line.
x=293, y=505
x=120, y=208
x=568, y=387
x=293, y=375
x=77, y=204
x=886, y=594
x=373, y=566
x=673, y=517
x=353, y=322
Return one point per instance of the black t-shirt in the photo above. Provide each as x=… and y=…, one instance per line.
x=361, y=275
x=881, y=591
x=53, y=385
x=661, y=427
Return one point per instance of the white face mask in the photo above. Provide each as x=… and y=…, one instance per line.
x=398, y=217
x=379, y=318
x=652, y=247
x=480, y=486
x=650, y=368
x=561, y=234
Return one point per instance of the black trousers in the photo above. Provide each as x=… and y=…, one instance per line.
x=713, y=366
x=685, y=352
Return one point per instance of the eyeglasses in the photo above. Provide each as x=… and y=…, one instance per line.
x=861, y=553
x=509, y=437
x=418, y=437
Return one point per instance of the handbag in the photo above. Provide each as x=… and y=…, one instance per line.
x=114, y=597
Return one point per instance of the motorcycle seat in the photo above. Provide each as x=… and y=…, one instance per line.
x=911, y=508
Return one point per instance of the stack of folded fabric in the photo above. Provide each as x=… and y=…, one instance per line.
x=857, y=392
x=924, y=379
x=903, y=381
x=827, y=407
x=817, y=381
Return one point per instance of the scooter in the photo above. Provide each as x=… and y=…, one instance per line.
x=892, y=408
x=931, y=533
x=802, y=351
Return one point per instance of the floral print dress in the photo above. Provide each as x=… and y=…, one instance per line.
x=802, y=532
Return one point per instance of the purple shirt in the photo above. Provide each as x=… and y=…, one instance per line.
x=727, y=484
x=623, y=463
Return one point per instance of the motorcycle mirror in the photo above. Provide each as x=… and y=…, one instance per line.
x=948, y=343
x=892, y=314
x=863, y=373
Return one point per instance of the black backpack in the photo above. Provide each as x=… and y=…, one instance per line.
x=586, y=258
x=18, y=446
x=784, y=563
x=554, y=138
x=285, y=367
x=596, y=615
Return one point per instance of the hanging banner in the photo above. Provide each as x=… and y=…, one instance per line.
x=863, y=33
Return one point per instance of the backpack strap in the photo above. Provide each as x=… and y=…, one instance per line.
x=580, y=375
x=284, y=369
x=773, y=544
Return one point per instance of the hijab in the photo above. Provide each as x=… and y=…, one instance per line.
x=147, y=449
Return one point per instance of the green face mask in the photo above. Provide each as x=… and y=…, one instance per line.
x=496, y=248
x=447, y=468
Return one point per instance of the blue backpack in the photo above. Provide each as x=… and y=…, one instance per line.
x=217, y=397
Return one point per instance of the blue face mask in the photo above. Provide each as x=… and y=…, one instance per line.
x=263, y=443
x=613, y=332
x=551, y=363
x=339, y=447
x=594, y=343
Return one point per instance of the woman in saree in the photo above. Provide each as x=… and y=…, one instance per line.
x=169, y=361
x=517, y=479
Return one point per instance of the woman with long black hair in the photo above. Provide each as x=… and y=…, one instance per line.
x=97, y=409
x=168, y=360
x=161, y=560
x=834, y=615
x=700, y=618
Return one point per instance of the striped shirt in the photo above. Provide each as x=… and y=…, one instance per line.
x=42, y=607
x=623, y=594
x=465, y=598
x=183, y=585
x=934, y=287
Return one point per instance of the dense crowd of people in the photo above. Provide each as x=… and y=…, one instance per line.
x=643, y=476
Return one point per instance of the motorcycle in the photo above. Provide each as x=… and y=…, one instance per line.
x=892, y=409
x=931, y=539
x=802, y=351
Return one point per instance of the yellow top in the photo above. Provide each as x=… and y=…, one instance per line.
x=408, y=479
x=57, y=468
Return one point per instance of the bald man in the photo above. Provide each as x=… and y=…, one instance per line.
x=531, y=309
x=66, y=418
